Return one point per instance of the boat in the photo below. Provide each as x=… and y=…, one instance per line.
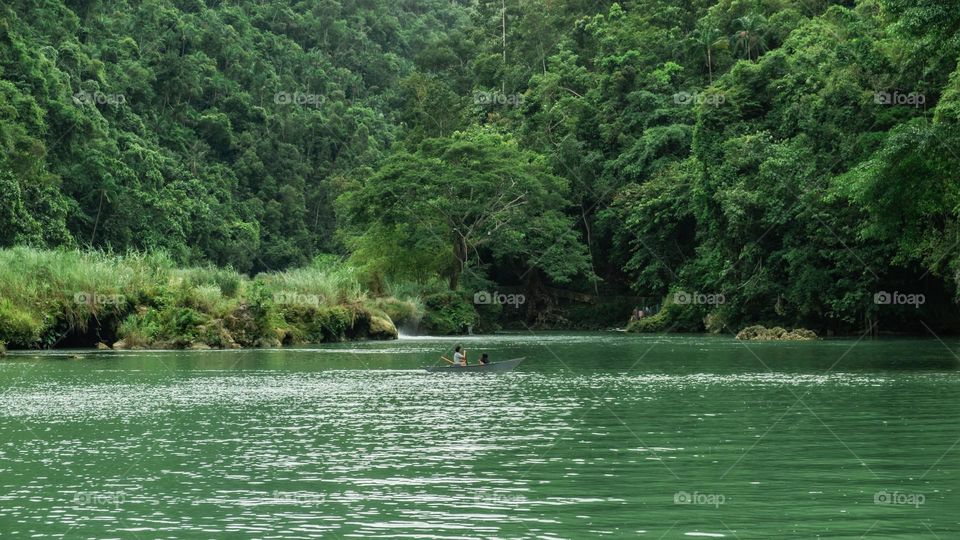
x=504, y=365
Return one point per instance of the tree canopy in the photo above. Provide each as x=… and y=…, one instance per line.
x=799, y=158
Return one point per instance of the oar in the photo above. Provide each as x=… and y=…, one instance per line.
x=447, y=359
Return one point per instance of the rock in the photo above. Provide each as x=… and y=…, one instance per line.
x=101, y=346
x=267, y=343
x=242, y=325
x=199, y=347
x=713, y=323
x=120, y=345
x=777, y=333
x=751, y=332
x=382, y=328
x=800, y=334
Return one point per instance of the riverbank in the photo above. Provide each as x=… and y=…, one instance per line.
x=90, y=299
x=76, y=299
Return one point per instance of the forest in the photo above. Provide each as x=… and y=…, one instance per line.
x=732, y=162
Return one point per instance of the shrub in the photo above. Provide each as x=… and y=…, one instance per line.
x=399, y=311
x=19, y=327
x=447, y=313
x=672, y=317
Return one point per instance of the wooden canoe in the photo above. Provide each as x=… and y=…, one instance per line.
x=505, y=365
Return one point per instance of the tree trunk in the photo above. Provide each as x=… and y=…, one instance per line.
x=503, y=21
x=586, y=226
x=709, y=64
x=460, y=256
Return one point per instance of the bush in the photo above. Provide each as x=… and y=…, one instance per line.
x=672, y=317
x=335, y=322
x=447, y=313
x=19, y=327
x=171, y=325
x=400, y=311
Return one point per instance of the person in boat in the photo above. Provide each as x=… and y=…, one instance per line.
x=485, y=358
x=459, y=356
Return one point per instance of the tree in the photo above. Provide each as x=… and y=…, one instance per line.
x=750, y=37
x=707, y=38
x=475, y=192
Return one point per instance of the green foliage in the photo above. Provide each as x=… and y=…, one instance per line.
x=471, y=191
x=728, y=147
x=49, y=296
x=18, y=327
x=399, y=311
x=210, y=130
x=447, y=313
x=672, y=317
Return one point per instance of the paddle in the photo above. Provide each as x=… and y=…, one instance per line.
x=447, y=359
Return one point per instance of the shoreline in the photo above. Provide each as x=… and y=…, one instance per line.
x=323, y=346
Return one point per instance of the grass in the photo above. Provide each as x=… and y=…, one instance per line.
x=144, y=300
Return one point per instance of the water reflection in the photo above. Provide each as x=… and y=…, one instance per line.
x=595, y=435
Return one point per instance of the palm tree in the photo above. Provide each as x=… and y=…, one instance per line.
x=750, y=38
x=709, y=37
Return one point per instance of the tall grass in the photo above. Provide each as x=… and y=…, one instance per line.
x=43, y=289
x=146, y=299
x=336, y=285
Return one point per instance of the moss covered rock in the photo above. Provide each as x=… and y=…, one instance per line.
x=800, y=334
x=382, y=328
x=242, y=325
x=761, y=333
x=267, y=343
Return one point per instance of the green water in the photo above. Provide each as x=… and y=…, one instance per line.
x=595, y=435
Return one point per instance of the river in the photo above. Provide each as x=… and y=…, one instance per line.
x=594, y=435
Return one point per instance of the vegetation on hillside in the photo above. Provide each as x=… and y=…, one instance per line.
x=798, y=160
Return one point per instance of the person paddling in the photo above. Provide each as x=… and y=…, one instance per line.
x=459, y=356
x=485, y=358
